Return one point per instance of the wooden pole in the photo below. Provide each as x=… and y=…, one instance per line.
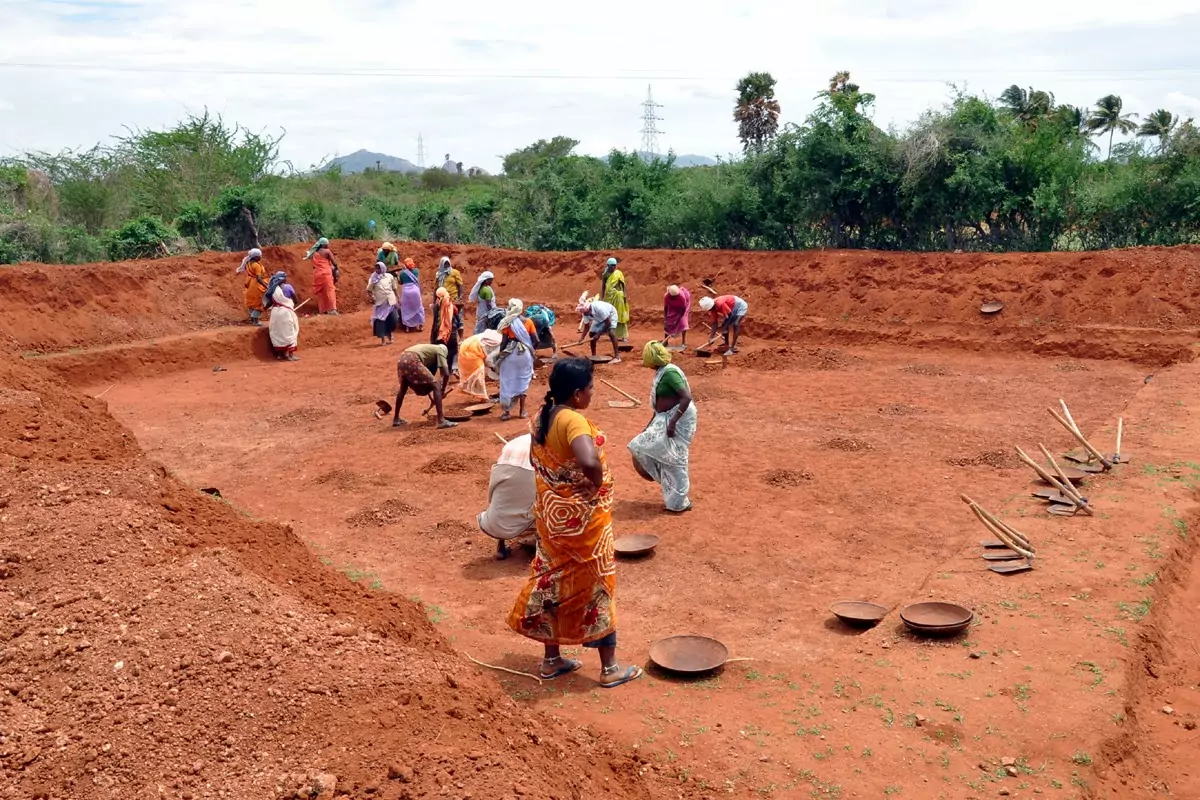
x=1012, y=532
x=501, y=438
x=1080, y=438
x=628, y=396
x=996, y=529
x=1072, y=494
x=1067, y=414
x=1066, y=492
x=1120, y=431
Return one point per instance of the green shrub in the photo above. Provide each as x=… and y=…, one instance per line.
x=143, y=237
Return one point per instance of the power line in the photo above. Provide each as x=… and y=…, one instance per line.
x=891, y=76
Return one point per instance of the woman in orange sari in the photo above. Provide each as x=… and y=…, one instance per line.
x=256, y=284
x=569, y=598
x=325, y=276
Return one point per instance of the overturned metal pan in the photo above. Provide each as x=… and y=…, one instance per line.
x=991, y=307
x=1011, y=567
x=689, y=655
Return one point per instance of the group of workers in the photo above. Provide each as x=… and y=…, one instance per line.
x=553, y=487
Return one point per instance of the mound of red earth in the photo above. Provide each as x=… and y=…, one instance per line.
x=156, y=643
x=1135, y=304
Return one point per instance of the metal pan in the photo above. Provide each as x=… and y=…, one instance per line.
x=689, y=655
x=993, y=307
x=478, y=409
x=858, y=613
x=636, y=544
x=599, y=359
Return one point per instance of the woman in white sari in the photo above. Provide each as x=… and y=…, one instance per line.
x=284, y=327
x=516, y=358
x=661, y=452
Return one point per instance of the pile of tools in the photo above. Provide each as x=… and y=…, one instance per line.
x=1011, y=551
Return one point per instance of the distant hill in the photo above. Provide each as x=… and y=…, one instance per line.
x=685, y=160
x=365, y=159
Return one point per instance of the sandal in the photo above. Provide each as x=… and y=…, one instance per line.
x=568, y=665
x=399, y=423
x=505, y=417
x=446, y=425
x=630, y=673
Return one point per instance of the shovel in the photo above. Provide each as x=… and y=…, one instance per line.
x=630, y=402
x=445, y=394
x=1011, y=567
x=382, y=409
x=1003, y=555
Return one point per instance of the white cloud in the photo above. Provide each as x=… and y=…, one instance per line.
x=593, y=64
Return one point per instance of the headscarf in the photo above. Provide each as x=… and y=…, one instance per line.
x=277, y=280
x=491, y=339
x=289, y=291
x=514, y=311
x=322, y=242
x=252, y=255
x=485, y=276
x=443, y=270
x=706, y=303
x=673, y=290
x=408, y=262
x=609, y=266
x=388, y=246
x=445, y=310
x=380, y=271
x=655, y=354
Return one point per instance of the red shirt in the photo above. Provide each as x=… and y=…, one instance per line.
x=722, y=307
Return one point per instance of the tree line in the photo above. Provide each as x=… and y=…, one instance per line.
x=1017, y=172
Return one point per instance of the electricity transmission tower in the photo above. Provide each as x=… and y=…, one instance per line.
x=650, y=120
x=420, y=151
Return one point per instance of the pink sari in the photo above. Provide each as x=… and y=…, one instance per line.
x=677, y=310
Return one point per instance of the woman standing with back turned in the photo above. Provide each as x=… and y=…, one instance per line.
x=325, y=276
x=570, y=595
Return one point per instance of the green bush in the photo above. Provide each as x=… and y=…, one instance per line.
x=143, y=237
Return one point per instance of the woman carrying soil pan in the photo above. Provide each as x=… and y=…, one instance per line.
x=662, y=450
x=284, y=326
x=570, y=595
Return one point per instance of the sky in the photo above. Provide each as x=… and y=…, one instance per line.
x=480, y=79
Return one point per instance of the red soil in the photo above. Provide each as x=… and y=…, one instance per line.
x=828, y=466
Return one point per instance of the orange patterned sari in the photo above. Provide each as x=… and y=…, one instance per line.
x=569, y=598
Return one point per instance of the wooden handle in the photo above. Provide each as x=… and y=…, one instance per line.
x=1080, y=438
x=998, y=529
x=1067, y=414
x=1012, y=532
x=1063, y=489
x=501, y=438
x=572, y=344
x=1120, y=431
x=302, y=305
x=1072, y=493
x=628, y=396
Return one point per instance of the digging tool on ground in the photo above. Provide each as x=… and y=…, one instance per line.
x=631, y=402
x=501, y=438
x=1011, y=567
x=1066, y=490
x=1081, y=439
x=1072, y=495
x=1015, y=540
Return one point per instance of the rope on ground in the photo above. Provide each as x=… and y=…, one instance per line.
x=503, y=669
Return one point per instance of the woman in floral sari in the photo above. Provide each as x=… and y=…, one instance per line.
x=660, y=453
x=569, y=597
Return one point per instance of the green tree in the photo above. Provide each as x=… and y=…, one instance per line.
x=1161, y=124
x=756, y=111
x=525, y=161
x=1107, y=118
x=1027, y=106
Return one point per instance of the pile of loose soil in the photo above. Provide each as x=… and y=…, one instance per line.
x=899, y=410
x=386, y=513
x=348, y=480
x=299, y=416
x=706, y=393
x=848, y=444
x=456, y=463
x=158, y=644
x=931, y=370
x=777, y=359
x=786, y=478
x=452, y=529
x=1071, y=366
x=997, y=459
x=421, y=434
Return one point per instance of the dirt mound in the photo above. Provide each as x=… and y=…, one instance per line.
x=1071, y=366
x=848, y=444
x=419, y=435
x=348, y=480
x=157, y=643
x=786, y=478
x=705, y=393
x=900, y=410
x=452, y=529
x=299, y=416
x=997, y=459
x=930, y=370
x=456, y=463
x=380, y=516
x=1128, y=304
x=775, y=359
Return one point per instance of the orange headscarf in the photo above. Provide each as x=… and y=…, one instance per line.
x=408, y=262
x=445, y=315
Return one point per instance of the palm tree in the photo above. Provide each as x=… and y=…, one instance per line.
x=1161, y=124
x=1027, y=107
x=1107, y=118
x=757, y=111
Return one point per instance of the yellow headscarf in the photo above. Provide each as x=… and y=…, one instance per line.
x=655, y=354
